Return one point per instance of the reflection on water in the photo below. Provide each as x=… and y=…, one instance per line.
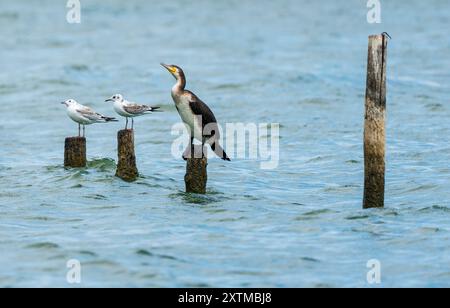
x=297, y=63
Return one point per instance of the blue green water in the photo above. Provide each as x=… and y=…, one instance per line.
x=298, y=63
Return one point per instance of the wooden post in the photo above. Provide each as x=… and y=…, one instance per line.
x=75, y=152
x=126, y=167
x=374, y=126
x=196, y=171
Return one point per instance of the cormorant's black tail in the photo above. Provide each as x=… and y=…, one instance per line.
x=219, y=151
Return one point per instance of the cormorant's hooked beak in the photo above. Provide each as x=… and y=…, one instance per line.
x=170, y=68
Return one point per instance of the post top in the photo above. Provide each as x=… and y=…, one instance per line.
x=76, y=138
x=376, y=37
x=380, y=36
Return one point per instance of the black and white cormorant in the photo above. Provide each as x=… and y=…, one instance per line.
x=194, y=112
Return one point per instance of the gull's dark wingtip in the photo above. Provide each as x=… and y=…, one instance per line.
x=108, y=119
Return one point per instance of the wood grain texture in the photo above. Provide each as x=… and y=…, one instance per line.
x=196, y=172
x=375, y=126
x=126, y=166
x=75, y=152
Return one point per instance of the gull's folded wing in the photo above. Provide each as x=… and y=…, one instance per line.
x=137, y=109
x=90, y=114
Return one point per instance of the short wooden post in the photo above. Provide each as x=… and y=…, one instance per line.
x=75, y=152
x=374, y=126
x=196, y=170
x=126, y=167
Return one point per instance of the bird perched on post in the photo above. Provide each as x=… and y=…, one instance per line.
x=84, y=115
x=129, y=109
x=195, y=114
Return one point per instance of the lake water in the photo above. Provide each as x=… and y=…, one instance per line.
x=298, y=63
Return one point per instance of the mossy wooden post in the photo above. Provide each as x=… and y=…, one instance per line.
x=126, y=166
x=196, y=170
x=75, y=152
x=374, y=126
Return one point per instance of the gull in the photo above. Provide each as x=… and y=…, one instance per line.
x=195, y=114
x=129, y=109
x=84, y=115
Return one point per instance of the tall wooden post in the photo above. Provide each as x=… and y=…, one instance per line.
x=126, y=167
x=196, y=170
x=75, y=152
x=374, y=126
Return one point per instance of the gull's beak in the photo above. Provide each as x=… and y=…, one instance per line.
x=64, y=103
x=109, y=100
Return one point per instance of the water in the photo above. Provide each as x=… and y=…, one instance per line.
x=296, y=63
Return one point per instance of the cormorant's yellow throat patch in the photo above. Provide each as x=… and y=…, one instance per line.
x=172, y=69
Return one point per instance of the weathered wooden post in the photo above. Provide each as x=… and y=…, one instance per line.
x=196, y=170
x=126, y=167
x=374, y=126
x=75, y=152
